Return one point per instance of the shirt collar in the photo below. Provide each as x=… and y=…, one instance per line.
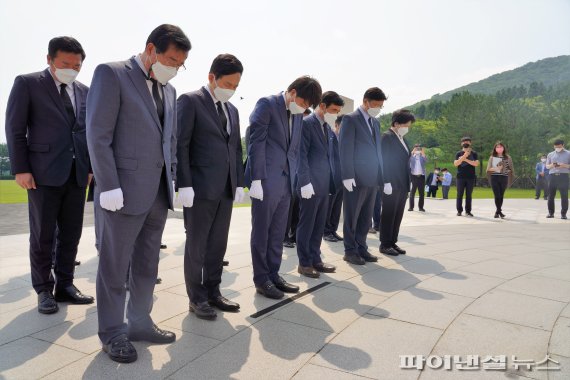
x=285, y=99
x=321, y=120
x=141, y=65
x=364, y=113
x=211, y=94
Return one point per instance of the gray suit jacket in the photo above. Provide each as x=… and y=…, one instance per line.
x=129, y=146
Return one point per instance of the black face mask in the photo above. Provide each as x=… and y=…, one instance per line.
x=466, y=145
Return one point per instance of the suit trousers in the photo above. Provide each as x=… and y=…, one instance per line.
x=51, y=207
x=333, y=215
x=292, y=219
x=123, y=239
x=377, y=211
x=268, y=225
x=560, y=183
x=207, y=225
x=418, y=183
x=312, y=219
x=542, y=186
x=357, y=209
x=393, y=206
x=432, y=192
x=464, y=185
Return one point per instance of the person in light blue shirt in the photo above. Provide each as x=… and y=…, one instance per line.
x=446, y=183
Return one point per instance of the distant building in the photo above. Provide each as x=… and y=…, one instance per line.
x=348, y=105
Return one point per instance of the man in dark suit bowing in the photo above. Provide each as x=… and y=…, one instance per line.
x=272, y=160
x=315, y=182
x=397, y=180
x=361, y=168
x=210, y=177
x=45, y=130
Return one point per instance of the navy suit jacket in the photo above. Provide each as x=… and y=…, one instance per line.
x=396, y=162
x=41, y=138
x=335, y=154
x=360, y=151
x=538, y=170
x=205, y=156
x=315, y=161
x=272, y=154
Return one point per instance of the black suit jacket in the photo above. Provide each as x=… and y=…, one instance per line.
x=396, y=162
x=205, y=156
x=360, y=151
x=41, y=139
x=315, y=162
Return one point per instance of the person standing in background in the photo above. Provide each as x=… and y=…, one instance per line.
x=541, y=178
x=466, y=160
x=45, y=132
x=433, y=181
x=418, y=169
x=500, y=172
x=558, y=164
x=446, y=182
x=335, y=200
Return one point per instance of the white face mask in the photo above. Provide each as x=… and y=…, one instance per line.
x=543, y=160
x=330, y=118
x=402, y=131
x=295, y=108
x=66, y=76
x=223, y=94
x=558, y=149
x=374, y=111
x=163, y=73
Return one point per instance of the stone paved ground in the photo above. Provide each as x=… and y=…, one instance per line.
x=468, y=286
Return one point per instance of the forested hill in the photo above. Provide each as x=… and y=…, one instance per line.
x=549, y=71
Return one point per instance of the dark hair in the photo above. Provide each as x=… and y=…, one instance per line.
x=225, y=64
x=558, y=142
x=374, y=93
x=307, y=112
x=417, y=145
x=338, y=119
x=308, y=89
x=436, y=169
x=466, y=138
x=494, y=151
x=66, y=45
x=331, y=97
x=165, y=35
x=402, y=117
x=444, y=169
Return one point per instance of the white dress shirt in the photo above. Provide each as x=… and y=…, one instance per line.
x=148, y=81
x=224, y=107
x=69, y=88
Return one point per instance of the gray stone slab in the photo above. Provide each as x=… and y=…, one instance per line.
x=539, y=260
x=415, y=305
x=461, y=283
x=559, y=272
x=384, y=281
x=474, y=255
x=429, y=265
x=30, y=358
x=312, y=372
x=154, y=361
x=270, y=348
x=330, y=309
x=564, y=364
x=560, y=339
x=79, y=334
x=517, y=308
x=537, y=286
x=500, y=268
x=372, y=346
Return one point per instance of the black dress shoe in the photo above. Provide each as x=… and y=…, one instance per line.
x=354, y=259
x=223, y=304
x=410, y=209
x=549, y=216
x=203, y=310
x=563, y=217
x=152, y=335
x=496, y=215
x=77, y=263
x=284, y=286
x=121, y=350
x=324, y=268
x=372, y=230
x=225, y=263
x=158, y=281
x=330, y=237
x=269, y=290
x=400, y=250
x=72, y=295
x=337, y=236
x=502, y=215
x=368, y=257
x=389, y=251
x=422, y=210
x=163, y=246
x=469, y=214
x=308, y=271
x=459, y=213
x=288, y=244
x=46, y=303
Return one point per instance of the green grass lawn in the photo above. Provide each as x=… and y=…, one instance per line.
x=10, y=192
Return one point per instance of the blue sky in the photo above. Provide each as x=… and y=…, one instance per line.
x=411, y=49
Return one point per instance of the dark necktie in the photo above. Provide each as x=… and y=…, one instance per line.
x=157, y=100
x=289, y=124
x=67, y=103
x=223, y=119
x=372, y=129
x=325, y=131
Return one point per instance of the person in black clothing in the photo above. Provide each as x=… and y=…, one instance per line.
x=335, y=200
x=397, y=181
x=433, y=180
x=466, y=160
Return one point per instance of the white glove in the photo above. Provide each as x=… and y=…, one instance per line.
x=387, y=188
x=112, y=200
x=307, y=191
x=186, y=196
x=349, y=184
x=256, y=190
x=240, y=194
